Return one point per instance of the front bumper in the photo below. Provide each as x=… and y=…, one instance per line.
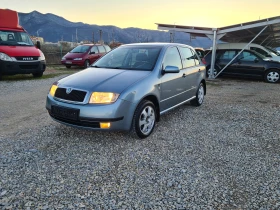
x=72, y=62
x=17, y=67
x=118, y=114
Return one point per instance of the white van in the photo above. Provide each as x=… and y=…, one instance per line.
x=267, y=53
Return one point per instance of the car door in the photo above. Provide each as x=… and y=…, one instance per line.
x=250, y=64
x=94, y=54
x=223, y=58
x=173, y=85
x=190, y=69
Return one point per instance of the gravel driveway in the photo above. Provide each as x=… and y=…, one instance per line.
x=222, y=155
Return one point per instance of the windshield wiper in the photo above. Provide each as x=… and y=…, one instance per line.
x=96, y=66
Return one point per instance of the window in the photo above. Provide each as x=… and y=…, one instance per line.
x=108, y=49
x=187, y=57
x=227, y=55
x=247, y=56
x=101, y=49
x=172, y=58
x=196, y=59
x=94, y=49
x=261, y=51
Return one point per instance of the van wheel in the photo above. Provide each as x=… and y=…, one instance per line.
x=86, y=64
x=144, y=119
x=40, y=74
x=68, y=66
x=199, y=98
x=272, y=76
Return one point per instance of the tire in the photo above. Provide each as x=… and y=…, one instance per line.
x=199, y=98
x=68, y=67
x=216, y=70
x=144, y=119
x=39, y=74
x=272, y=76
x=86, y=64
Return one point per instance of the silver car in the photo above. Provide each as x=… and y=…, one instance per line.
x=129, y=88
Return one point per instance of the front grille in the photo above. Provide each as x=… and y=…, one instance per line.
x=29, y=67
x=74, y=95
x=77, y=122
x=69, y=59
x=27, y=58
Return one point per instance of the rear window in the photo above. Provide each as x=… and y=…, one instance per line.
x=108, y=49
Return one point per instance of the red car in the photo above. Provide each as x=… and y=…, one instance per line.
x=84, y=55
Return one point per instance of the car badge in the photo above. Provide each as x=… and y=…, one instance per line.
x=68, y=90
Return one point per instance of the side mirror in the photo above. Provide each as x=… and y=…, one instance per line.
x=38, y=44
x=171, y=69
x=92, y=53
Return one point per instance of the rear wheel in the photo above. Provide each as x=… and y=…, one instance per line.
x=272, y=76
x=144, y=119
x=68, y=66
x=215, y=71
x=39, y=74
x=86, y=64
x=199, y=98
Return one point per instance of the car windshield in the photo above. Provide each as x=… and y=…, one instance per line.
x=130, y=57
x=80, y=49
x=273, y=51
x=15, y=38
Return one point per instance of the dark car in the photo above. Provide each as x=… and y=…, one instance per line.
x=247, y=64
x=84, y=55
x=200, y=51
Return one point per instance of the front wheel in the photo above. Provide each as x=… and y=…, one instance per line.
x=144, y=119
x=86, y=64
x=68, y=66
x=272, y=76
x=215, y=71
x=199, y=98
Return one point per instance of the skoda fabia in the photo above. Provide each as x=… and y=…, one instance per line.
x=129, y=88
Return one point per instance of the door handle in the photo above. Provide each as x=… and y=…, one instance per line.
x=184, y=75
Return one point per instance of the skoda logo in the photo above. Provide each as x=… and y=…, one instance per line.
x=27, y=59
x=68, y=90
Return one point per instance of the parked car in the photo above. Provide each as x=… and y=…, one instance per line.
x=129, y=88
x=255, y=47
x=200, y=52
x=18, y=54
x=247, y=64
x=84, y=55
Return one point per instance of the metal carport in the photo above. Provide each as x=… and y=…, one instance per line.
x=264, y=32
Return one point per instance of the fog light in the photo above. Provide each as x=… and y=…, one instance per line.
x=105, y=125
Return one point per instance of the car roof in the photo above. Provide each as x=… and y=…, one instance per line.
x=159, y=44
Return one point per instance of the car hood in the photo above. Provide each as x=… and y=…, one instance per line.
x=75, y=55
x=103, y=80
x=14, y=51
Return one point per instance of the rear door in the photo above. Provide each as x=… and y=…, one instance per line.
x=223, y=58
x=94, y=54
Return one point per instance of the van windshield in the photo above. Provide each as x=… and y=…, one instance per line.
x=80, y=49
x=15, y=38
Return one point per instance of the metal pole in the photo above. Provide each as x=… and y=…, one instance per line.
x=213, y=58
x=241, y=51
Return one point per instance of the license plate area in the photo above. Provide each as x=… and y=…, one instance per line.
x=66, y=113
x=68, y=62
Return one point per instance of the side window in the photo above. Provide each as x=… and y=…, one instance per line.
x=196, y=59
x=94, y=49
x=227, y=55
x=261, y=51
x=187, y=57
x=172, y=58
x=247, y=56
x=101, y=49
x=108, y=49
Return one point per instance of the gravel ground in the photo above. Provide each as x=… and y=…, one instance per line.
x=222, y=155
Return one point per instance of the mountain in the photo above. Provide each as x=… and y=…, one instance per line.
x=54, y=28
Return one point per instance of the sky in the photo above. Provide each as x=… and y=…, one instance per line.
x=145, y=13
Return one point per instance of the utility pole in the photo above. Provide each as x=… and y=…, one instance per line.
x=76, y=35
x=171, y=36
x=100, y=33
x=93, y=37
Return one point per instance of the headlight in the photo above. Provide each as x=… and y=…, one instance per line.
x=103, y=98
x=42, y=56
x=63, y=58
x=77, y=59
x=5, y=57
x=53, y=89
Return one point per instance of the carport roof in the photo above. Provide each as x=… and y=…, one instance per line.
x=243, y=32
